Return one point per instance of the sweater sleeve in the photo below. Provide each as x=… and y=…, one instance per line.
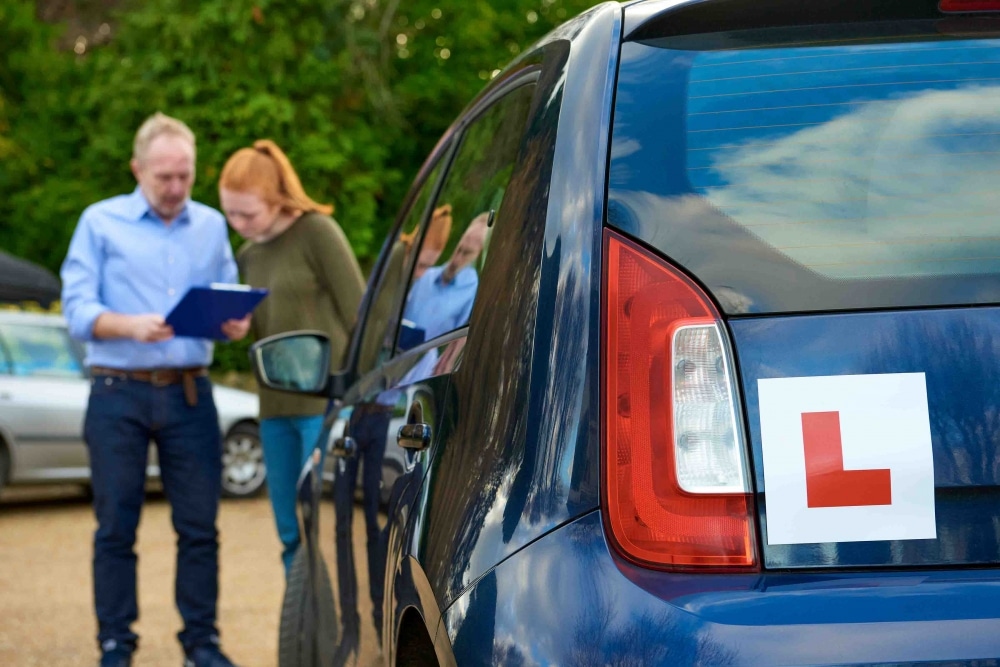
x=337, y=269
x=241, y=267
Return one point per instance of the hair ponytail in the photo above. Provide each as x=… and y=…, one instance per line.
x=267, y=171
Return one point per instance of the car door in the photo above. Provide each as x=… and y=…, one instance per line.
x=43, y=396
x=392, y=415
x=433, y=331
x=366, y=460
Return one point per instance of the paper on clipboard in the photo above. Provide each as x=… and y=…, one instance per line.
x=204, y=309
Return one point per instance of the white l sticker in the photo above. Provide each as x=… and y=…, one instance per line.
x=847, y=458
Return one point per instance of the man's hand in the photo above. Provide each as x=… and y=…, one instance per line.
x=236, y=329
x=150, y=328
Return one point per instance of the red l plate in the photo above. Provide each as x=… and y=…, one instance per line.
x=827, y=483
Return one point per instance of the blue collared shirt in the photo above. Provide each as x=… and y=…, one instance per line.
x=438, y=307
x=123, y=259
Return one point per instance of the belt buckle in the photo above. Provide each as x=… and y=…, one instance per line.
x=159, y=378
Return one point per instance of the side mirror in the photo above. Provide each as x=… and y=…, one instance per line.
x=296, y=362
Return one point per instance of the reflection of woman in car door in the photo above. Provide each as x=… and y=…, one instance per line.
x=295, y=250
x=369, y=427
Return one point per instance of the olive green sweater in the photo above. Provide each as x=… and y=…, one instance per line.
x=315, y=283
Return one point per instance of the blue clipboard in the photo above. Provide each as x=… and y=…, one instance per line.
x=203, y=310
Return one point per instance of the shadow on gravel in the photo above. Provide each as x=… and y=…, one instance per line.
x=41, y=498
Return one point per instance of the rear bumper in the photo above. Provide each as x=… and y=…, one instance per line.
x=567, y=599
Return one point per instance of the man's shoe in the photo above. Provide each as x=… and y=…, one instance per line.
x=207, y=655
x=114, y=654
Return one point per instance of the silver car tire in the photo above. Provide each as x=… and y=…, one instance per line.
x=243, y=468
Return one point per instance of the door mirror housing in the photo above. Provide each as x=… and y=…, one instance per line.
x=297, y=362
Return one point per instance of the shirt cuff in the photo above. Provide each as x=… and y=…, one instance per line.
x=81, y=325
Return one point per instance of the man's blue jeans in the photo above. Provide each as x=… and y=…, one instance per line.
x=369, y=426
x=288, y=442
x=123, y=416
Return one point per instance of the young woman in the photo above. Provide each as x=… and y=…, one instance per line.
x=301, y=255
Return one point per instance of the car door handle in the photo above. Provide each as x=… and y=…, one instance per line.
x=344, y=448
x=414, y=436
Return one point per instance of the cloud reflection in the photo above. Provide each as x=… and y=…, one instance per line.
x=900, y=186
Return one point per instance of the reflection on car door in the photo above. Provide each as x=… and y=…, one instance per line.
x=400, y=421
x=371, y=412
x=413, y=337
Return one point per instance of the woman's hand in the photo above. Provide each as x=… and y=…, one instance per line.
x=236, y=329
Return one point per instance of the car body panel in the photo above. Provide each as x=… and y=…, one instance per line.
x=689, y=179
x=495, y=536
x=44, y=420
x=596, y=609
x=515, y=465
x=956, y=350
x=234, y=406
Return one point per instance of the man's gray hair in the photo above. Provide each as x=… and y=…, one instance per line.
x=158, y=125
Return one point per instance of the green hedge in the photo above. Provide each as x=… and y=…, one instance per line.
x=356, y=92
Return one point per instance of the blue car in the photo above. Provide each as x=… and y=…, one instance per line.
x=688, y=335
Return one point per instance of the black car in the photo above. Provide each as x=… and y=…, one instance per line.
x=707, y=369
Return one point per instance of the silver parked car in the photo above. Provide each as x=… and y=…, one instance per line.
x=43, y=398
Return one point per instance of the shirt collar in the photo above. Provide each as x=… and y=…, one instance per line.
x=139, y=209
x=464, y=278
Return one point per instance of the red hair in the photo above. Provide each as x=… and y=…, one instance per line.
x=438, y=230
x=267, y=171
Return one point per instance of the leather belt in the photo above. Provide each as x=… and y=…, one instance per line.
x=161, y=377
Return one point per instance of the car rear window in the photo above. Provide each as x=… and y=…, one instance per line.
x=816, y=168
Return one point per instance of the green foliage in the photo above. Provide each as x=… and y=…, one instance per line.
x=356, y=91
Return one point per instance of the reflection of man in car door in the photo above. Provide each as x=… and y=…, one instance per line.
x=369, y=428
x=441, y=299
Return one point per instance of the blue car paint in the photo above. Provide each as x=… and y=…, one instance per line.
x=492, y=490
x=958, y=351
x=514, y=567
x=597, y=610
x=619, y=612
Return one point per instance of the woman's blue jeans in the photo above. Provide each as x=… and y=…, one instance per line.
x=288, y=442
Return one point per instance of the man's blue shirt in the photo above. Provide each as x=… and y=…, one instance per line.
x=124, y=259
x=438, y=307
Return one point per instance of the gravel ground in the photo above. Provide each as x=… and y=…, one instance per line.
x=46, y=603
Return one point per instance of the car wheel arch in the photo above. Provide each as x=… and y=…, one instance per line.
x=410, y=601
x=245, y=421
x=414, y=645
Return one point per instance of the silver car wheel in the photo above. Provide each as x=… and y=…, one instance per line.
x=243, y=468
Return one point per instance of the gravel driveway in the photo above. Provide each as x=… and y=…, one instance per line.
x=45, y=582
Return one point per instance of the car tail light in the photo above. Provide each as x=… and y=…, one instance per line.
x=968, y=6
x=676, y=485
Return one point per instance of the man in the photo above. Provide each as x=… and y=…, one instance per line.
x=131, y=260
x=441, y=299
